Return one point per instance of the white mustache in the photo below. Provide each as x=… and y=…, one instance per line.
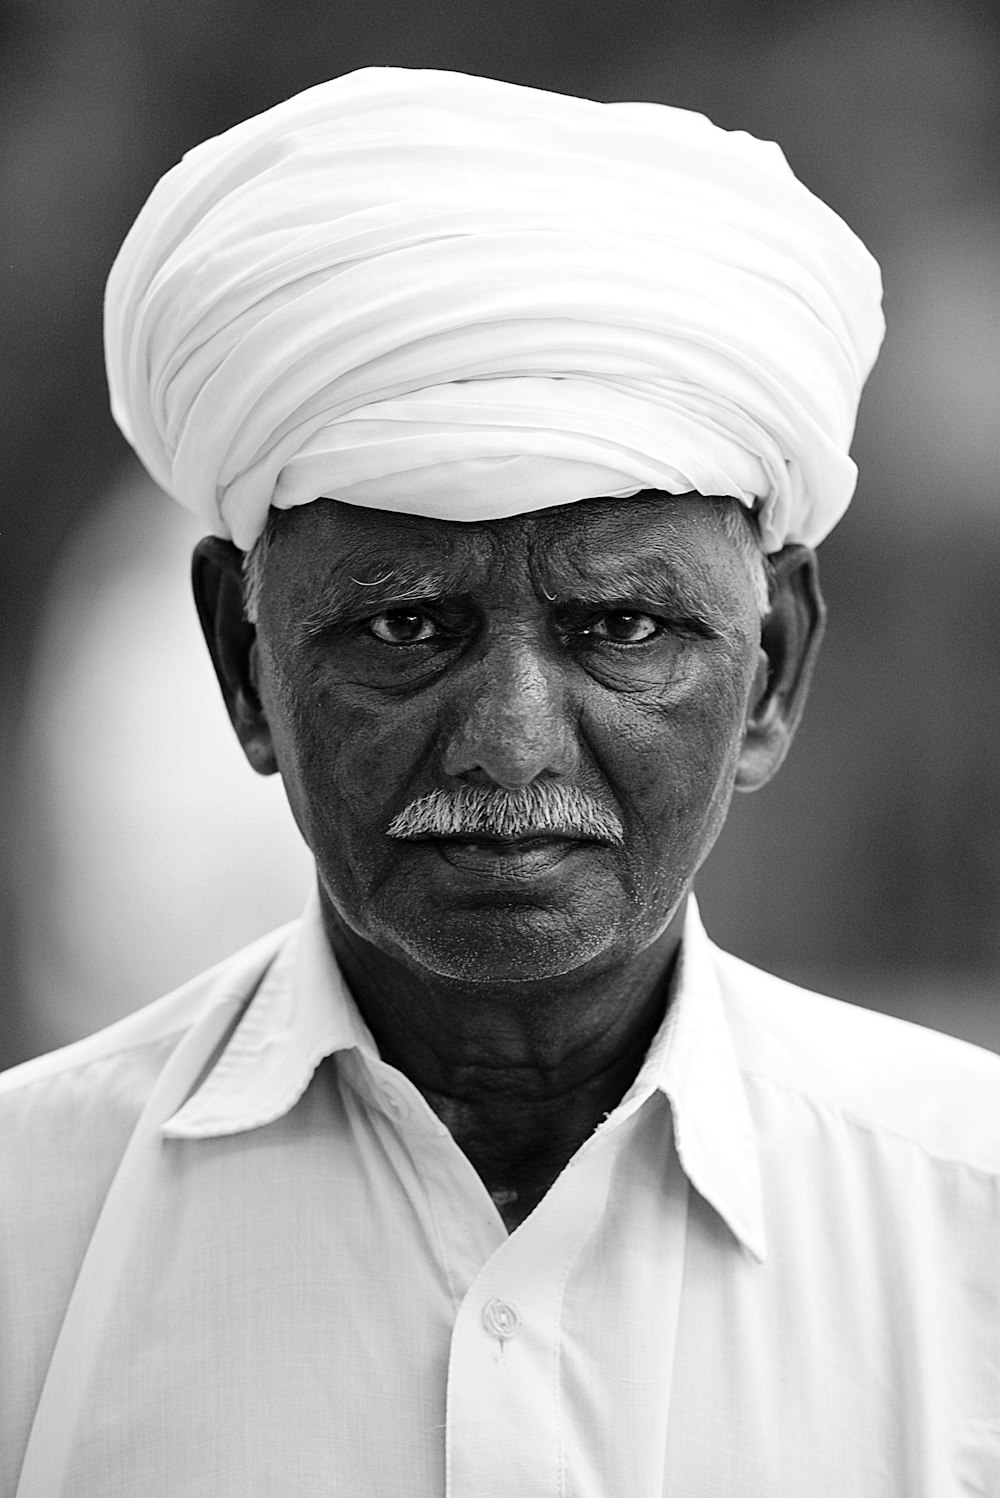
x=530, y=811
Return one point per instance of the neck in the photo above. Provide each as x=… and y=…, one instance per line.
x=521, y=1073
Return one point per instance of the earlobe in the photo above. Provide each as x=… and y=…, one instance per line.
x=790, y=638
x=217, y=581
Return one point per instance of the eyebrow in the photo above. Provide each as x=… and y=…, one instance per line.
x=355, y=589
x=648, y=580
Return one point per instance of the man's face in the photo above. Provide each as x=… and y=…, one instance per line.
x=609, y=646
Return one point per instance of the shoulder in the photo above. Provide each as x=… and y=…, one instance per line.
x=66, y=1120
x=108, y=1075
x=880, y=1072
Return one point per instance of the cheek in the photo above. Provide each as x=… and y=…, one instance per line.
x=342, y=762
x=672, y=762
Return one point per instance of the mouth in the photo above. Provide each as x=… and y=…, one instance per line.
x=516, y=857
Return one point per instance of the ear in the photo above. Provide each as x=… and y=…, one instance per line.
x=217, y=579
x=789, y=641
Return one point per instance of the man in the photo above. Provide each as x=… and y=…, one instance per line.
x=515, y=419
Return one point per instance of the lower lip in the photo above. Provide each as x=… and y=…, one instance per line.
x=492, y=859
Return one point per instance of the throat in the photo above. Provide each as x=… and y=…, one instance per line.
x=518, y=1166
x=519, y=1143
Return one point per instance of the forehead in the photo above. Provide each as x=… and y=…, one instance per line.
x=328, y=543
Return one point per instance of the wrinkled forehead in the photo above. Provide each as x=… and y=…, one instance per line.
x=339, y=540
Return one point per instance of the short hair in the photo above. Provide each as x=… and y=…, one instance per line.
x=253, y=566
x=741, y=525
x=738, y=522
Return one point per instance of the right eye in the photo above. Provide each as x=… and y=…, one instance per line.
x=402, y=627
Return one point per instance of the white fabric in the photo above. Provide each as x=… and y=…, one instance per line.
x=227, y=1270
x=451, y=296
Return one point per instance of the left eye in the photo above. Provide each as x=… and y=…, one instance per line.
x=402, y=627
x=624, y=629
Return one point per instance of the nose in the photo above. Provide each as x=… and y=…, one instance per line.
x=514, y=720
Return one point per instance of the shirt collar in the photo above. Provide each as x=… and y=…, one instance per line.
x=699, y=1072
x=302, y=1012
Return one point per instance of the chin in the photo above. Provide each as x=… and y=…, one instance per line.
x=515, y=946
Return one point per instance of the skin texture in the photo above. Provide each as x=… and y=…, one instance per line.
x=611, y=645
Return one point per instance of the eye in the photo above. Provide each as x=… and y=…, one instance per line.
x=402, y=627
x=623, y=628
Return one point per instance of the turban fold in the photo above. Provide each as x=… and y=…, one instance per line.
x=446, y=295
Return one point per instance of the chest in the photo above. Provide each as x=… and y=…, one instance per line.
x=332, y=1307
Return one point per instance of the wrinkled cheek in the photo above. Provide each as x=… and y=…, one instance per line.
x=705, y=791
x=345, y=770
x=309, y=760
x=681, y=795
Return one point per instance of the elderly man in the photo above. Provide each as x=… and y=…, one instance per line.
x=514, y=418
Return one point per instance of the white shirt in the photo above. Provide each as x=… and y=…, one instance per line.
x=240, y=1257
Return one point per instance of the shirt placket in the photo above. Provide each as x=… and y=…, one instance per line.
x=504, y=1432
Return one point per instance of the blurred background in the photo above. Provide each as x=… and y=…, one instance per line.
x=135, y=845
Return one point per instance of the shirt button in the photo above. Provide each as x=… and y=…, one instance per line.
x=501, y=1319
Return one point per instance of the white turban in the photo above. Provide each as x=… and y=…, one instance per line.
x=433, y=293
